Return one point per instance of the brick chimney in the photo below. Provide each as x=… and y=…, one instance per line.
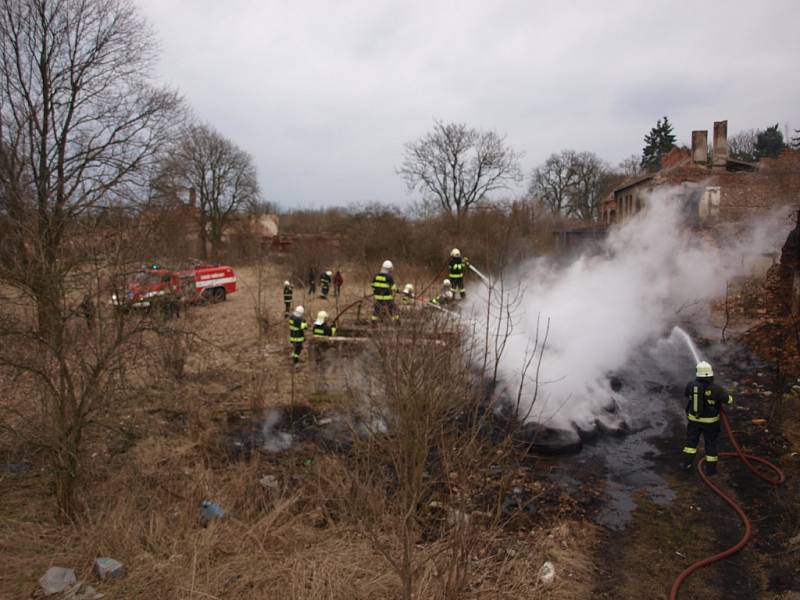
x=700, y=147
x=720, y=152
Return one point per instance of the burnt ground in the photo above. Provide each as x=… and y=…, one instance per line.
x=641, y=556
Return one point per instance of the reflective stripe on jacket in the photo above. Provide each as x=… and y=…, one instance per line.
x=456, y=267
x=323, y=330
x=383, y=287
x=297, y=329
x=703, y=401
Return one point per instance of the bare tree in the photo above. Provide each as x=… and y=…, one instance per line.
x=78, y=120
x=224, y=178
x=553, y=181
x=80, y=129
x=631, y=166
x=742, y=146
x=593, y=180
x=459, y=166
x=572, y=183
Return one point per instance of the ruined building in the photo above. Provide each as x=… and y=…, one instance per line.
x=714, y=185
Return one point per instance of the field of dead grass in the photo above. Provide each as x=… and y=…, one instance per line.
x=155, y=456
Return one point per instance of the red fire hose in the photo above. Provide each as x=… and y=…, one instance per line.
x=748, y=460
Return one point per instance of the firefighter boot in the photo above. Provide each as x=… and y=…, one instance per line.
x=711, y=468
x=688, y=463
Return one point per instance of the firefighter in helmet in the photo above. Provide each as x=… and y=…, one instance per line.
x=407, y=295
x=383, y=291
x=297, y=332
x=704, y=399
x=456, y=267
x=321, y=326
x=325, y=284
x=445, y=296
x=288, y=291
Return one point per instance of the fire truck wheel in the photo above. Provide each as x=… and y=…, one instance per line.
x=218, y=295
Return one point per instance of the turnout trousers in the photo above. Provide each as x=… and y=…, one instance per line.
x=710, y=433
x=384, y=307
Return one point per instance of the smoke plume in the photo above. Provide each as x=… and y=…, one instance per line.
x=604, y=308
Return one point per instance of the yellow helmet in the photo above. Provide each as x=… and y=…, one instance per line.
x=322, y=316
x=455, y=252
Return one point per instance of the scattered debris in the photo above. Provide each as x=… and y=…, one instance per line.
x=211, y=510
x=269, y=482
x=547, y=573
x=759, y=422
x=106, y=567
x=795, y=541
x=57, y=580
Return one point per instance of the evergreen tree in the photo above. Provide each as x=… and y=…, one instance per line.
x=769, y=143
x=658, y=142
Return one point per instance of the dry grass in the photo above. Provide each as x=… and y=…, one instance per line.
x=147, y=474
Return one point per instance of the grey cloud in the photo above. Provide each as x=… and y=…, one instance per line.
x=324, y=95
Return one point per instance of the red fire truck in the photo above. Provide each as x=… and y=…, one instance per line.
x=156, y=284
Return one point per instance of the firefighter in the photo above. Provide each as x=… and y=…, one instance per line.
x=704, y=400
x=325, y=284
x=297, y=332
x=445, y=296
x=456, y=266
x=383, y=290
x=321, y=326
x=288, y=291
x=407, y=295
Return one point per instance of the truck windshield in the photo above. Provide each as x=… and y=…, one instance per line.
x=146, y=278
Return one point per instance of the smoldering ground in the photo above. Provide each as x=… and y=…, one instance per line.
x=571, y=327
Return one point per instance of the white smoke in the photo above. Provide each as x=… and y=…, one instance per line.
x=603, y=308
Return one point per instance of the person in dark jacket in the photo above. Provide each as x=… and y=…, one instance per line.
x=704, y=399
x=312, y=281
x=325, y=284
x=456, y=267
x=338, y=281
x=383, y=291
x=321, y=326
x=297, y=332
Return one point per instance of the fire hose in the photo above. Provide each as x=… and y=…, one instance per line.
x=368, y=296
x=434, y=280
x=748, y=460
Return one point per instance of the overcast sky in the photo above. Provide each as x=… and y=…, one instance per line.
x=325, y=94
